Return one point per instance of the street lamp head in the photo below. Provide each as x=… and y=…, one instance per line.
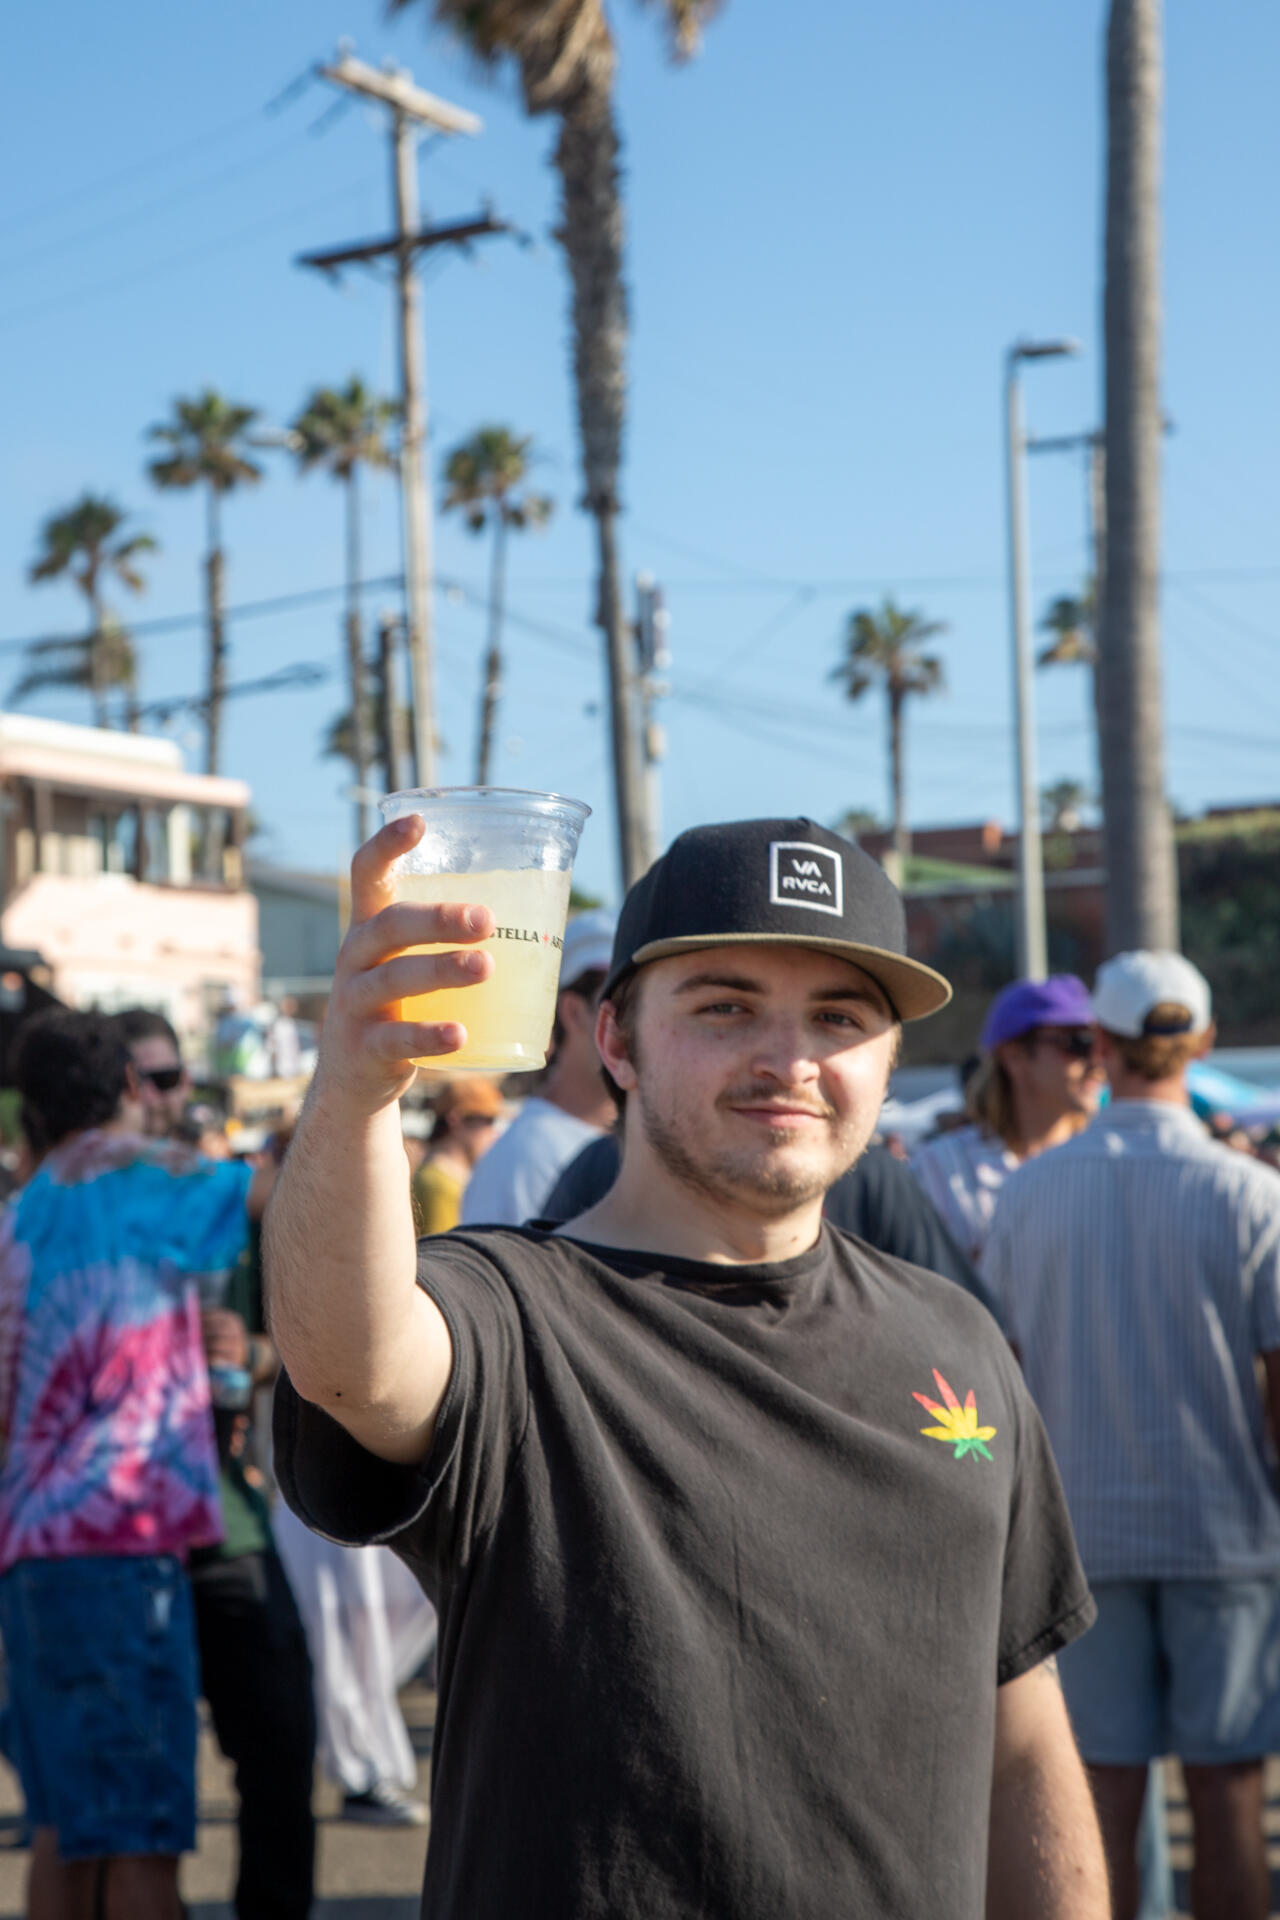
x=1043, y=349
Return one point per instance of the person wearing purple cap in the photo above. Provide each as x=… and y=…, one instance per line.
x=1038, y=1083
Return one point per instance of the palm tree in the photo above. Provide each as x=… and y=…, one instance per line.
x=338, y=742
x=1142, y=886
x=886, y=647
x=1062, y=803
x=209, y=438
x=1070, y=620
x=86, y=543
x=343, y=429
x=482, y=475
x=566, y=56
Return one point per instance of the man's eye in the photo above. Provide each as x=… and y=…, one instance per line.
x=832, y=1016
x=723, y=1006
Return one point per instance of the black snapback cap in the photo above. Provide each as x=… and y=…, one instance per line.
x=781, y=883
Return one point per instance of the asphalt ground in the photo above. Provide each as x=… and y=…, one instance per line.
x=375, y=1873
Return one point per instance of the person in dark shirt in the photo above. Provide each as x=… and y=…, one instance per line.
x=255, y=1669
x=878, y=1199
x=747, y=1542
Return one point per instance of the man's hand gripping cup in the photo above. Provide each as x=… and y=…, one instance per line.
x=367, y=1051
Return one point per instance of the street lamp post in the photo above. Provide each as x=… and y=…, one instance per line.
x=1032, y=943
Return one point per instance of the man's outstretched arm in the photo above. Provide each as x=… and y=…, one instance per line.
x=358, y=1336
x=1045, y=1855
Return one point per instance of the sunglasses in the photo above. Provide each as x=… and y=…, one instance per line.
x=163, y=1079
x=1077, y=1043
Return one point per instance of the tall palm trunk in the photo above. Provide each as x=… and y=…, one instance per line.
x=1142, y=892
x=355, y=662
x=215, y=614
x=897, y=782
x=389, y=717
x=493, y=658
x=586, y=158
x=97, y=680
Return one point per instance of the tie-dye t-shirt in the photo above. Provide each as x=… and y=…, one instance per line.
x=106, y=1433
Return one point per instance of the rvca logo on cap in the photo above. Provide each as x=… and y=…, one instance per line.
x=802, y=875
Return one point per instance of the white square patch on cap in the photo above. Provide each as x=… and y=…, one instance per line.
x=802, y=875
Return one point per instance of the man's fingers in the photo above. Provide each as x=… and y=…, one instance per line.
x=414, y=973
x=371, y=885
x=411, y=923
x=406, y=1040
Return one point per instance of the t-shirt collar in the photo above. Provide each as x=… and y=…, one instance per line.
x=1124, y=1114
x=776, y=1278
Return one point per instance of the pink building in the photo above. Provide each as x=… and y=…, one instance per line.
x=124, y=872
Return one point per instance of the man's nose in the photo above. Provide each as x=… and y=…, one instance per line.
x=784, y=1052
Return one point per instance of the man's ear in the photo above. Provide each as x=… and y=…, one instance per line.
x=132, y=1084
x=1208, y=1041
x=611, y=1045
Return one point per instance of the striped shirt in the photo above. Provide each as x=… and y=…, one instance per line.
x=962, y=1173
x=1138, y=1272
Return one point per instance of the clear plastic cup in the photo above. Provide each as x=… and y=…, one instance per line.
x=512, y=852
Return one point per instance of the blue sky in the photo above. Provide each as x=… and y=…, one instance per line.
x=834, y=233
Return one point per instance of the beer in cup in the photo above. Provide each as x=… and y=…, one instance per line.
x=512, y=852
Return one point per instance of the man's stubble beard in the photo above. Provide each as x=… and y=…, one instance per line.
x=780, y=1187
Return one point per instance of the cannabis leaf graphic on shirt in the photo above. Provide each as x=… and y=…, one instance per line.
x=957, y=1425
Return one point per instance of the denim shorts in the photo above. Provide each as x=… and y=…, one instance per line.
x=103, y=1682
x=1190, y=1667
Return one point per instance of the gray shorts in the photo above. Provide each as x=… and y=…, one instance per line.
x=1190, y=1667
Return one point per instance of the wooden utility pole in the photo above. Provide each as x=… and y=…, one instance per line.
x=411, y=107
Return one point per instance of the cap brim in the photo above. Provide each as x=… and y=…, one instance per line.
x=914, y=989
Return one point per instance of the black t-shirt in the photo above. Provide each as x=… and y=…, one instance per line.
x=720, y=1626
x=879, y=1199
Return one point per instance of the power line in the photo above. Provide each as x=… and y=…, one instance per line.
x=303, y=673
x=107, y=183
x=159, y=268
x=247, y=610
x=175, y=196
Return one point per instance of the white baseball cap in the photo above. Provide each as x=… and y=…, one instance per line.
x=588, y=946
x=1130, y=986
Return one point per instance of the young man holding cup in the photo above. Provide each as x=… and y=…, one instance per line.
x=748, y=1546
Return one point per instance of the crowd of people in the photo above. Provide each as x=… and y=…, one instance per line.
x=649, y=1468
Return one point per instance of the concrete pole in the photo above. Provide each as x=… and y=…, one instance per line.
x=1032, y=941
x=414, y=492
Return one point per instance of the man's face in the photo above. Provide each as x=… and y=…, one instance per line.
x=164, y=1104
x=1059, y=1069
x=756, y=1074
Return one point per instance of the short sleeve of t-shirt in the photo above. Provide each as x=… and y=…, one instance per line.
x=1045, y=1603
x=454, y=1496
x=1264, y=1260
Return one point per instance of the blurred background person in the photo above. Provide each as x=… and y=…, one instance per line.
x=370, y=1627
x=110, y=1475
x=1139, y=1271
x=254, y=1664
x=572, y=1105
x=1037, y=1083
x=164, y=1085
x=284, y=1040
x=467, y=1114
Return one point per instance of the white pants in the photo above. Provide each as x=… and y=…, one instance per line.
x=370, y=1627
